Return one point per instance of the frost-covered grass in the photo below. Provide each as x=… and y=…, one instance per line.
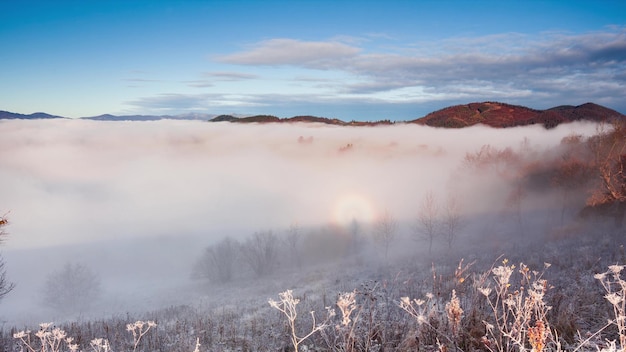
x=565, y=294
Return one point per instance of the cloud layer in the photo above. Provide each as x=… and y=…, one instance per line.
x=68, y=181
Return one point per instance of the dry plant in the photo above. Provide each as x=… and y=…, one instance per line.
x=423, y=311
x=139, y=329
x=287, y=305
x=519, y=310
x=454, y=313
x=615, y=288
x=100, y=345
x=51, y=339
x=345, y=338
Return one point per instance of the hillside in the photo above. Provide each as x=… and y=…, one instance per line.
x=502, y=115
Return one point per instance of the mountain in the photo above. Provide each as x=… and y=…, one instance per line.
x=492, y=114
x=6, y=115
x=502, y=115
x=108, y=117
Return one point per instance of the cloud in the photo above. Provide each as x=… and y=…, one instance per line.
x=166, y=103
x=230, y=76
x=151, y=177
x=200, y=83
x=511, y=66
x=212, y=77
x=276, y=52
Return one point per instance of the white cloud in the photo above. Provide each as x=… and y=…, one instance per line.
x=292, y=52
x=509, y=65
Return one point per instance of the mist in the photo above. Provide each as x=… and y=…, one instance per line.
x=138, y=201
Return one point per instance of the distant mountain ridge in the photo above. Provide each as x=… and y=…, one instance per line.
x=5, y=115
x=108, y=117
x=493, y=114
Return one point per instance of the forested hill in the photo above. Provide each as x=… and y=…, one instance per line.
x=504, y=115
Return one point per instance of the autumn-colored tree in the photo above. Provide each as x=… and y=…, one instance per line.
x=609, y=152
x=500, y=161
x=508, y=165
x=5, y=285
x=573, y=171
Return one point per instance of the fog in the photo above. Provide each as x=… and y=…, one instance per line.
x=138, y=201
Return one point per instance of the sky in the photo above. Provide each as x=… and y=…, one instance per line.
x=352, y=60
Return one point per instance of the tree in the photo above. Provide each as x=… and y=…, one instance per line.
x=385, y=231
x=292, y=239
x=72, y=289
x=452, y=220
x=510, y=166
x=501, y=162
x=428, y=223
x=573, y=171
x=609, y=151
x=218, y=260
x=5, y=285
x=261, y=252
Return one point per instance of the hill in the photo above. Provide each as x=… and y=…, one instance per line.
x=502, y=115
x=108, y=117
x=6, y=115
x=300, y=118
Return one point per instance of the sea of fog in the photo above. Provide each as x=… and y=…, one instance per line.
x=138, y=201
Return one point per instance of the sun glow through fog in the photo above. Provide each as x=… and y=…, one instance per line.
x=350, y=207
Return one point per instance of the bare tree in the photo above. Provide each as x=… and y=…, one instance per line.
x=452, y=220
x=293, y=239
x=428, y=224
x=218, y=261
x=385, y=231
x=5, y=285
x=72, y=289
x=260, y=251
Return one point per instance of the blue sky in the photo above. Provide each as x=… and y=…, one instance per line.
x=353, y=60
